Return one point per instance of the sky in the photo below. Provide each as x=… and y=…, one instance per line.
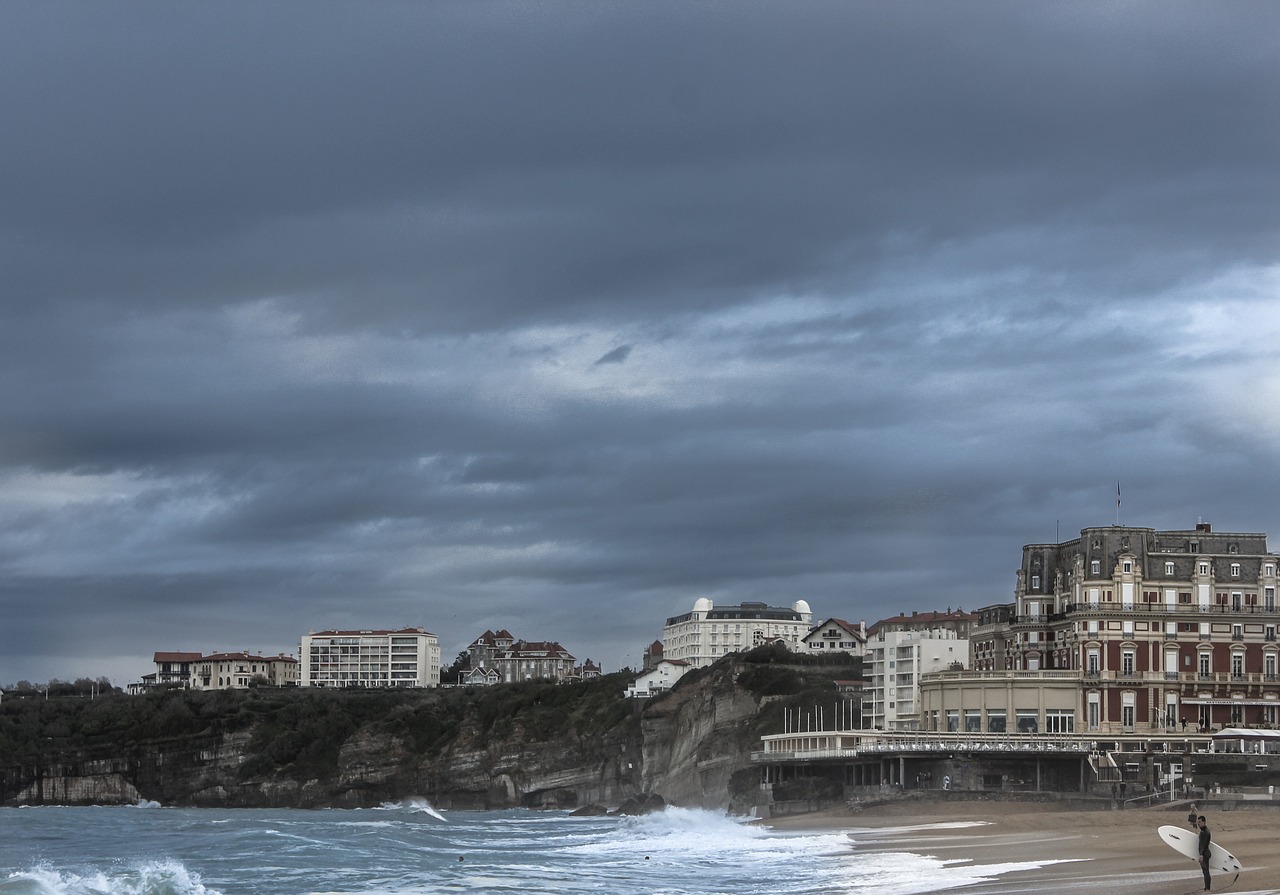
x=555, y=317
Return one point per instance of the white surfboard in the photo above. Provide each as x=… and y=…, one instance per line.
x=1187, y=842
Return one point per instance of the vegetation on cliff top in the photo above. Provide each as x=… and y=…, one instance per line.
x=298, y=732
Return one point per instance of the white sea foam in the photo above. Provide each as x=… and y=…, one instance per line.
x=151, y=878
x=414, y=805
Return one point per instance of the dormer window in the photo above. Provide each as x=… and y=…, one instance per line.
x=1128, y=566
x=1095, y=567
x=1235, y=570
x=1035, y=581
x=1204, y=568
x=1168, y=569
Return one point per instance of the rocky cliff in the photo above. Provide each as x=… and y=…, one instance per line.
x=524, y=745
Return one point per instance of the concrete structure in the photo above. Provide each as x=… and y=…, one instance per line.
x=999, y=702
x=836, y=635
x=706, y=633
x=899, y=651
x=235, y=671
x=409, y=657
x=660, y=678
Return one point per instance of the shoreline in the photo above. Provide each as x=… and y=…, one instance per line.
x=1077, y=851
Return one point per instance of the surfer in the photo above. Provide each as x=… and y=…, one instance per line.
x=1203, y=848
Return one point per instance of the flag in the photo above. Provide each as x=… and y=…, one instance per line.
x=1117, y=495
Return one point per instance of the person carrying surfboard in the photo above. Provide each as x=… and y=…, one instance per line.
x=1203, y=848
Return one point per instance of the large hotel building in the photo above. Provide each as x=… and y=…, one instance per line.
x=706, y=633
x=1124, y=630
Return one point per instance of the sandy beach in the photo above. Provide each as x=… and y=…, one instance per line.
x=1098, y=851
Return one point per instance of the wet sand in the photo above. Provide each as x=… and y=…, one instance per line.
x=1100, y=851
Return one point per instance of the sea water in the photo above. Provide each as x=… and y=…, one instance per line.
x=412, y=848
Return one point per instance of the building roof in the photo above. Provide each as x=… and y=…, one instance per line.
x=245, y=657
x=177, y=657
x=925, y=619
x=367, y=633
x=536, y=649
x=853, y=629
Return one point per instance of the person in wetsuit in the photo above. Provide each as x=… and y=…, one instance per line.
x=1203, y=848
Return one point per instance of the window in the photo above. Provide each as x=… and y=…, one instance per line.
x=1168, y=568
x=1059, y=721
x=1095, y=567
x=1128, y=565
x=995, y=721
x=1126, y=662
x=1035, y=581
x=1235, y=570
x=1237, y=665
x=1028, y=721
x=1204, y=568
x=1127, y=711
x=1204, y=665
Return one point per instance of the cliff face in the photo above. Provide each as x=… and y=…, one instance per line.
x=686, y=746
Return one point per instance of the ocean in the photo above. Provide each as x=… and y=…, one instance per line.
x=412, y=848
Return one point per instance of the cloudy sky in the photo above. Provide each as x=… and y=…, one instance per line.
x=555, y=317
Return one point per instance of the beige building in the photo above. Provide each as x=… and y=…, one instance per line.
x=409, y=657
x=999, y=701
x=223, y=671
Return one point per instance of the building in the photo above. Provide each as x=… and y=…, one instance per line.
x=706, y=633
x=534, y=660
x=660, y=678
x=990, y=641
x=409, y=657
x=899, y=651
x=171, y=668
x=485, y=648
x=836, y=635
x=234, y=671
x=1152, y=630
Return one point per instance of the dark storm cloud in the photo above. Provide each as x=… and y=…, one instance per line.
x=320, y=315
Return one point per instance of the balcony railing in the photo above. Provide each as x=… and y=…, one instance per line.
x=1184, y=609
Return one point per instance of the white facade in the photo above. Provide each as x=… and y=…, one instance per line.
x=894, y=661
x=662, y=677
x=703, y=635
x=406, y=658
x=837, y=635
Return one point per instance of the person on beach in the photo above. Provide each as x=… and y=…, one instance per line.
x=1203, y=848
x=1191, y=818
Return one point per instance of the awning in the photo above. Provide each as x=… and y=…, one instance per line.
x=1195, y=701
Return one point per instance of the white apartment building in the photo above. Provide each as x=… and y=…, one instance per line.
x=708, y=632
x=409, y=657
x=897, y=654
